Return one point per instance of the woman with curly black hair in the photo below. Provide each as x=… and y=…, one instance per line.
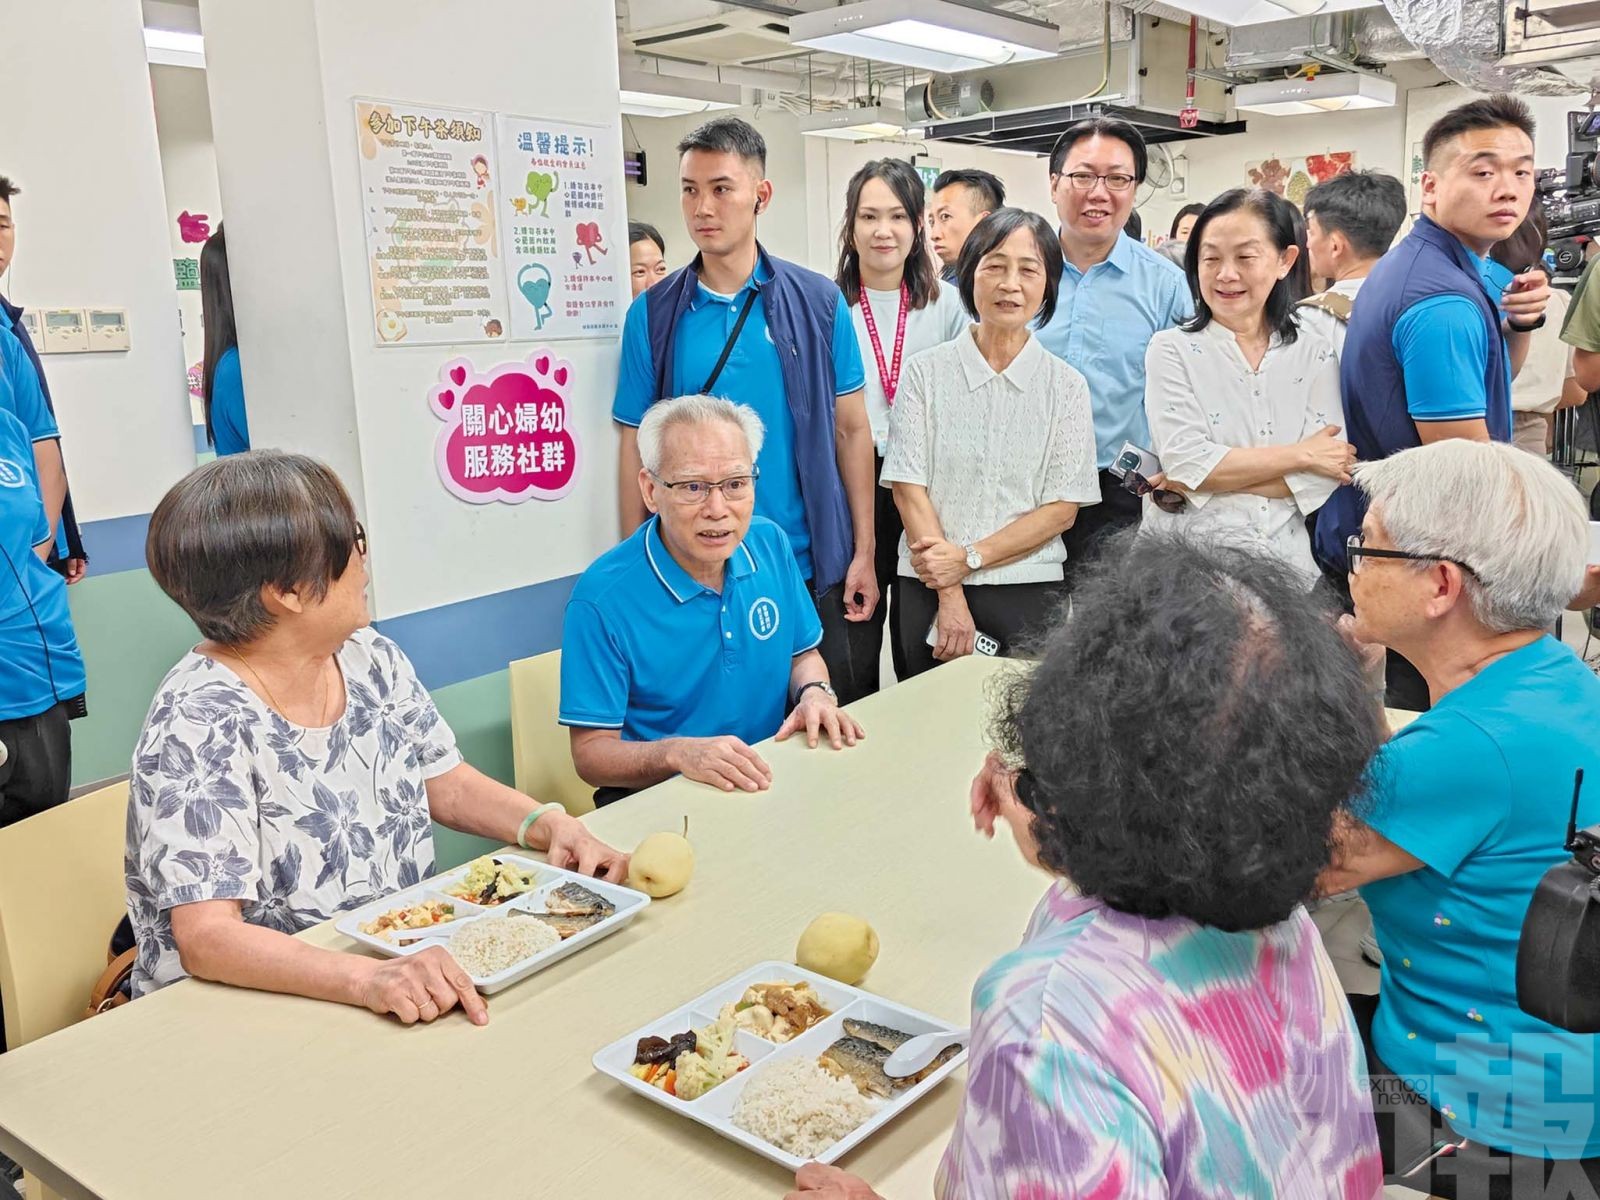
x=1171, y=1024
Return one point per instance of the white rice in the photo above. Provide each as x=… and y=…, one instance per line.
x=799, y=1107
x=490, y=945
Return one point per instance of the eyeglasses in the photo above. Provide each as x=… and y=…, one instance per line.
x=1084, y=180
x=1166, y=499
x=1355, y=551
x=697, y=491
x=361, y=539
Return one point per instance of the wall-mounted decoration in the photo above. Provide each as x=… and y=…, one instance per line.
x=564, y=216
x=506, y=434
x=428, y=192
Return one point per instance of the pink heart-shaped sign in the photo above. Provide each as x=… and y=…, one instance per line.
x=560, y=376
x=458, y=376
x=542, y=364
x=447, y=398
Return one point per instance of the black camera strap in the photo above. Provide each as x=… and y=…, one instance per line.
x=727, y=348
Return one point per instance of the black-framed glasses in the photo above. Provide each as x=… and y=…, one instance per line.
x=1116, y=181
x=361, y=539
x=1355, y=551
x=697, y=491
x=1166, y=499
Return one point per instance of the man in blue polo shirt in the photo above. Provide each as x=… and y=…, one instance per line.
x=689, y=641
x=1439, y=330
x=31, y=403
x=740, y=323
x=41, y=670
x=1115, y=293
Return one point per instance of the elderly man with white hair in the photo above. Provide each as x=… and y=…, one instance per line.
x=693, y=638
x=1467, y=554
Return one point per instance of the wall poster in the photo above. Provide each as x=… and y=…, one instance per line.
x=564, y=214
x=428, y=193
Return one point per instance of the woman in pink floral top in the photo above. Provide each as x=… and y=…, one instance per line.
x=1171, y=1025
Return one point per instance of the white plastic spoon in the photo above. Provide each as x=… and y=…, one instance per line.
x=919, y=1053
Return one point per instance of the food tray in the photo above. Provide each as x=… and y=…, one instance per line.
x=715, y=1109
x=629, y=904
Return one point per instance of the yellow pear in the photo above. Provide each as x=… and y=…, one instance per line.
x=662, y=864
x=839, y=946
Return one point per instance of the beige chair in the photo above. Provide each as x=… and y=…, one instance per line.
x=61, y=895
x=540, y=748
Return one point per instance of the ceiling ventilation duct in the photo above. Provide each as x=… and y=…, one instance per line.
x=1464, y=39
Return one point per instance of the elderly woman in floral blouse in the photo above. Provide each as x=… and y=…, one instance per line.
x=1171, y=1025
x=292, y=765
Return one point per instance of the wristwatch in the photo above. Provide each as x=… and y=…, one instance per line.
x=1514, y=327
x=821, y=684
x=974, y=559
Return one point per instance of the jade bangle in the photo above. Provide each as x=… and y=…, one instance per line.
x=528, y=822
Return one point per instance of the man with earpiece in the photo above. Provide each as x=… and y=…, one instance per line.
x=41, y=670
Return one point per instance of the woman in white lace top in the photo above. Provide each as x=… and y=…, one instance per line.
x=991, y=454
x=1243, y=401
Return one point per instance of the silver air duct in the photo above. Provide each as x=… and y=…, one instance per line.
x=1463, y=39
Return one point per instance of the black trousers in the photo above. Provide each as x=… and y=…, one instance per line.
x=1118, y=511
x=37, y=771
x=1014, y=614
x=854, y=649
x=1410, y=1129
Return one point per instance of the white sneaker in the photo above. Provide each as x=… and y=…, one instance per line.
x=1370, y=951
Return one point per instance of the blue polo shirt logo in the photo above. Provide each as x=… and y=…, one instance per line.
x=764, y=618
x=11, y=475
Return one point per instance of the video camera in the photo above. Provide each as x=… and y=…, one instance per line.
x=1571, y=196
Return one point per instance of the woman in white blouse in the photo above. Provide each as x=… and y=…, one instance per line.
x=1243, y=402
x=899, y=308
x=991, y=454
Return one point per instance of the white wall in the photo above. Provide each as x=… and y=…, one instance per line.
x=189, y=175
x=283, y=79
x=91, y=231
x=782, y=227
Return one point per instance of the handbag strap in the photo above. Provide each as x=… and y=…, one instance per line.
x=733, y=337
x=107, y=992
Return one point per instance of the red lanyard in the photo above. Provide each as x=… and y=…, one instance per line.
x=890, y=375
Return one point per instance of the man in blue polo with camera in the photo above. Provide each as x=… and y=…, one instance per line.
x=692, y=639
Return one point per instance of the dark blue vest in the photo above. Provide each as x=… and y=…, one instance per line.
x=1429, y=261
x=800, y=307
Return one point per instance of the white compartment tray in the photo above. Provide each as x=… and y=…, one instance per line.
x=629, y=904
x=715, y=1109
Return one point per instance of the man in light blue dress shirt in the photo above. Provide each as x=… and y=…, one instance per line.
x=1115, y=294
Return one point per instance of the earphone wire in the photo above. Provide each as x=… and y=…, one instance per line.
x=44, y=642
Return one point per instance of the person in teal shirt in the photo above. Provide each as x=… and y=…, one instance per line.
x=222, y=383
x=1467, y=554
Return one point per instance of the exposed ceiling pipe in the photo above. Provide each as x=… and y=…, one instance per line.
x=1462, y=38
x=827, y=87
x=1378, y=39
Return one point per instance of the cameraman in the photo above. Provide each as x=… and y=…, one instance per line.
x=1432, y=345
x=1466, y=554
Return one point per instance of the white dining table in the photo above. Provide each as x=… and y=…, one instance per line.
x=203, y=1090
